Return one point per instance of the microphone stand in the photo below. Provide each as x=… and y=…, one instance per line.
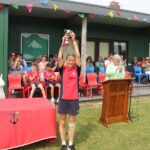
x=129, y=113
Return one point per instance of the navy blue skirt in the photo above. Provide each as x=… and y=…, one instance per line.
x=70, y=107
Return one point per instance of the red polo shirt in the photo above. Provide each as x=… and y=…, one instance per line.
x=49, y=75
x=69, y=83
x=36, y=74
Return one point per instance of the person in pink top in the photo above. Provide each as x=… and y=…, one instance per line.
x=35, y=80
x=68, y=103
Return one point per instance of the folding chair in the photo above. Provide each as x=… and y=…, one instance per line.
x=14, y=83
x=92, y=82
x=89, y=69
x=101, y=69
x=83, y=85
x=138, y=73
x=102, y=77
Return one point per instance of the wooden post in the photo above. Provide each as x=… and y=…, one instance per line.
x=83, y=46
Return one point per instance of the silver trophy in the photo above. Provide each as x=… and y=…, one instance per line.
x=67, y=36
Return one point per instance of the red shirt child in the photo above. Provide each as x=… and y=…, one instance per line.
x=49, y=75
x=35, y=75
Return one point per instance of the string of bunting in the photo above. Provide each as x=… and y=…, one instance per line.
x=111, y=13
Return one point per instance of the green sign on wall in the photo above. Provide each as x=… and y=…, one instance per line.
x=34, y=45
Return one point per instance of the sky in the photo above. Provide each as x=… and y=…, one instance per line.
x=134, y=5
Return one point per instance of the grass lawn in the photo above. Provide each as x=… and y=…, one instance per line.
x=90, y=135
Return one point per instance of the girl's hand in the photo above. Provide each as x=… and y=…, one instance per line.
x=63, y=40
x=73, y=36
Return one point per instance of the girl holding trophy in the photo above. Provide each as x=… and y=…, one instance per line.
x=68, y=103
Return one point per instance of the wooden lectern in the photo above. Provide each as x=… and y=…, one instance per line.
x=115, y=101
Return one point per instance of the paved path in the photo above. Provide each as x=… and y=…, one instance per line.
x=139, y=90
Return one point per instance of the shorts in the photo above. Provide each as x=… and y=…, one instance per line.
x=70, y=107
x=35, y=83
x=51, y=82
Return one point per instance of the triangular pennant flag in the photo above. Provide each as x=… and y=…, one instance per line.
x=67, y=11
x=55, y=6
x=1, y=7
x=81, y=16
x=92, y=15
x=16, y=6
x=145, y=20
x=118, y=13
x=128, y=18
x=44, y=2
x=135, y=18
x=111, y=14
x=29, y=7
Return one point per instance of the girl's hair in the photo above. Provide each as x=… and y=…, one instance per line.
x=89, y=58
x=71, y=54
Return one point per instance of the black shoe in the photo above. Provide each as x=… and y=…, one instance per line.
x=72, y=147
x=63, y=147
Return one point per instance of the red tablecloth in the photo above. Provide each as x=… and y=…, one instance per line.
x=24, y=121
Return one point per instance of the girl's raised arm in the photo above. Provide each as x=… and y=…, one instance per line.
x=76, y=49
x=60, y=53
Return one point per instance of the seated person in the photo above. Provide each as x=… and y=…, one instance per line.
x=34, y=80
x=99, y=62
x=146, y=67
x=19, y=63
x=11, y=61
x=37, y=61
x=115, y=70
x=53, y=60
x=89, y=65
x=108, y=60
x=42, y=64
x=51, y=80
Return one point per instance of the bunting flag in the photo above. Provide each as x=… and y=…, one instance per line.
x=92, y=15
x=29, y=7
x=128, y=18
x=111, y=14
x=1, y=7
x=118, y=13
x=16, y=6
x=55, y=7
x=145, y=20
x=44, y=2
x=135, y=18
x=81, y=16
x=67, y=12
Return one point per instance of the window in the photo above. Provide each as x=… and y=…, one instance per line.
x=33, y=45
x=120, y=48
x=104, y=49
x=90, y=49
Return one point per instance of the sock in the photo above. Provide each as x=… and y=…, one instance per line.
x=63, y=142
x=70, y=143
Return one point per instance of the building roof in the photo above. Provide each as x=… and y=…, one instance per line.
x=120, y=17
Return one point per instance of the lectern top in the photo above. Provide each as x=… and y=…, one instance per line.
x=125, y=79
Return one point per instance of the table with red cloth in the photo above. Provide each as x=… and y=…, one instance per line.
x=24, y=121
